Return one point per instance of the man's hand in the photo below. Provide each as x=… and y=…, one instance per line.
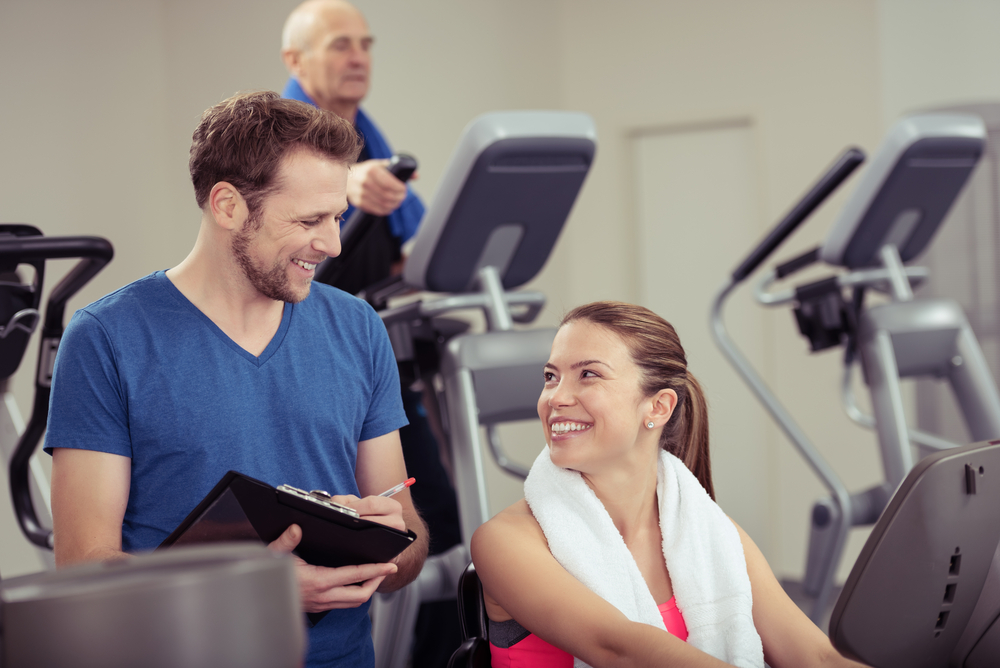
x=322, y=588
x=379, y=509
x=373, y=189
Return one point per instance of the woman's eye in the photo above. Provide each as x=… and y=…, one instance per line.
x=548, y=376
x=587, y=373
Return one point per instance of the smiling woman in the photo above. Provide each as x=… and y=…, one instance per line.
x=618, y=555
x=625, y=361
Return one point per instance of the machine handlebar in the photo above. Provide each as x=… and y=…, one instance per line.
x=845, y=165
x=356, y=228
x=94, y=254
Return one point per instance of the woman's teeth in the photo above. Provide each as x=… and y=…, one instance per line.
x=564, y=427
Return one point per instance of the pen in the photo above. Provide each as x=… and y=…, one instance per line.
x=398, y=488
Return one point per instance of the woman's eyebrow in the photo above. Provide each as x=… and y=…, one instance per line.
x=586, y=362
x=577, y=365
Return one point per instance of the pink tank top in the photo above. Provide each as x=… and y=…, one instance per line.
x=529, y=651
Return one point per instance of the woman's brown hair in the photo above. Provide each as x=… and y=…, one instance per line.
x=656, y=349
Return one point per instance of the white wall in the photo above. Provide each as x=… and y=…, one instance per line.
x=937, y=53
x=101, y=98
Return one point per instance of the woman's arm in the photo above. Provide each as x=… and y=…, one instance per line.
x=790, y=639
x=522, y=579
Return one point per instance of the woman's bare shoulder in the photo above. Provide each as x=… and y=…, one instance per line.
x=512, y=523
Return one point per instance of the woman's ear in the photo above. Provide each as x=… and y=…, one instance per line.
x=228, y=207
x=662, y=406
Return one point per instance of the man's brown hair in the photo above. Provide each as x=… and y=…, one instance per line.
x=243, y=139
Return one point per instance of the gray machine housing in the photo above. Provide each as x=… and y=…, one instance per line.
x=909, y=186
x=203, y=606
x=512, y=180
x=925, y=591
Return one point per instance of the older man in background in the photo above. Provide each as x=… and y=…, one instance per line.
x=326, y=46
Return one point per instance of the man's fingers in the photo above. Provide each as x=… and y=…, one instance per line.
x=345, y=499
x=344, y=587
x=377, y=505
x=364, y=572
x=288, y=540
x=344, y=597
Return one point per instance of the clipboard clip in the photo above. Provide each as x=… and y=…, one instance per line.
x=319, y=497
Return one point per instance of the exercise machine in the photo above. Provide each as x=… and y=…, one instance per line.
x=25, y=246
x=925, y=591
x=889, y=220
x=505, y=195
x=199, y=606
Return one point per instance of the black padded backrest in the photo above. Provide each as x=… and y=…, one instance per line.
x=471, y=606
x=474, y=651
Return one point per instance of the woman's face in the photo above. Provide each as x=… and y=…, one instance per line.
x=592, y=409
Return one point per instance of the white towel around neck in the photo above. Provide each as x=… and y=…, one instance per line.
x=701, y=548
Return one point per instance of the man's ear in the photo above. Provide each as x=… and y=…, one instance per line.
x=662, y=406
x=228, y=207
x=292, y=59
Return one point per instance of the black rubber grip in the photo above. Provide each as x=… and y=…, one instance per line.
x=402, y=167
x=795, y=264
x=810, y=291
x=836, y=175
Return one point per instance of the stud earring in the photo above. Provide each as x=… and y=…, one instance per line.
x=650, y=424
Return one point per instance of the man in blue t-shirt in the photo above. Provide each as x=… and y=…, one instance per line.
x=235, y=359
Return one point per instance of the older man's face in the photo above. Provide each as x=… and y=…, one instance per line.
x=336, y=67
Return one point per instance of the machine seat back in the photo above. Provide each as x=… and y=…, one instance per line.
x=475, y=649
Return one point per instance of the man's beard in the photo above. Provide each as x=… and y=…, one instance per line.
x=272, y=283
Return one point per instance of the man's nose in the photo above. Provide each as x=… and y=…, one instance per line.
x=327, y=240
x=359, y=55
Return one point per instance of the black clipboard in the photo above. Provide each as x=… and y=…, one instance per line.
x=240, y=508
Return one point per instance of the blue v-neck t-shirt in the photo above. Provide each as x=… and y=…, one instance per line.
x=144, y=374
